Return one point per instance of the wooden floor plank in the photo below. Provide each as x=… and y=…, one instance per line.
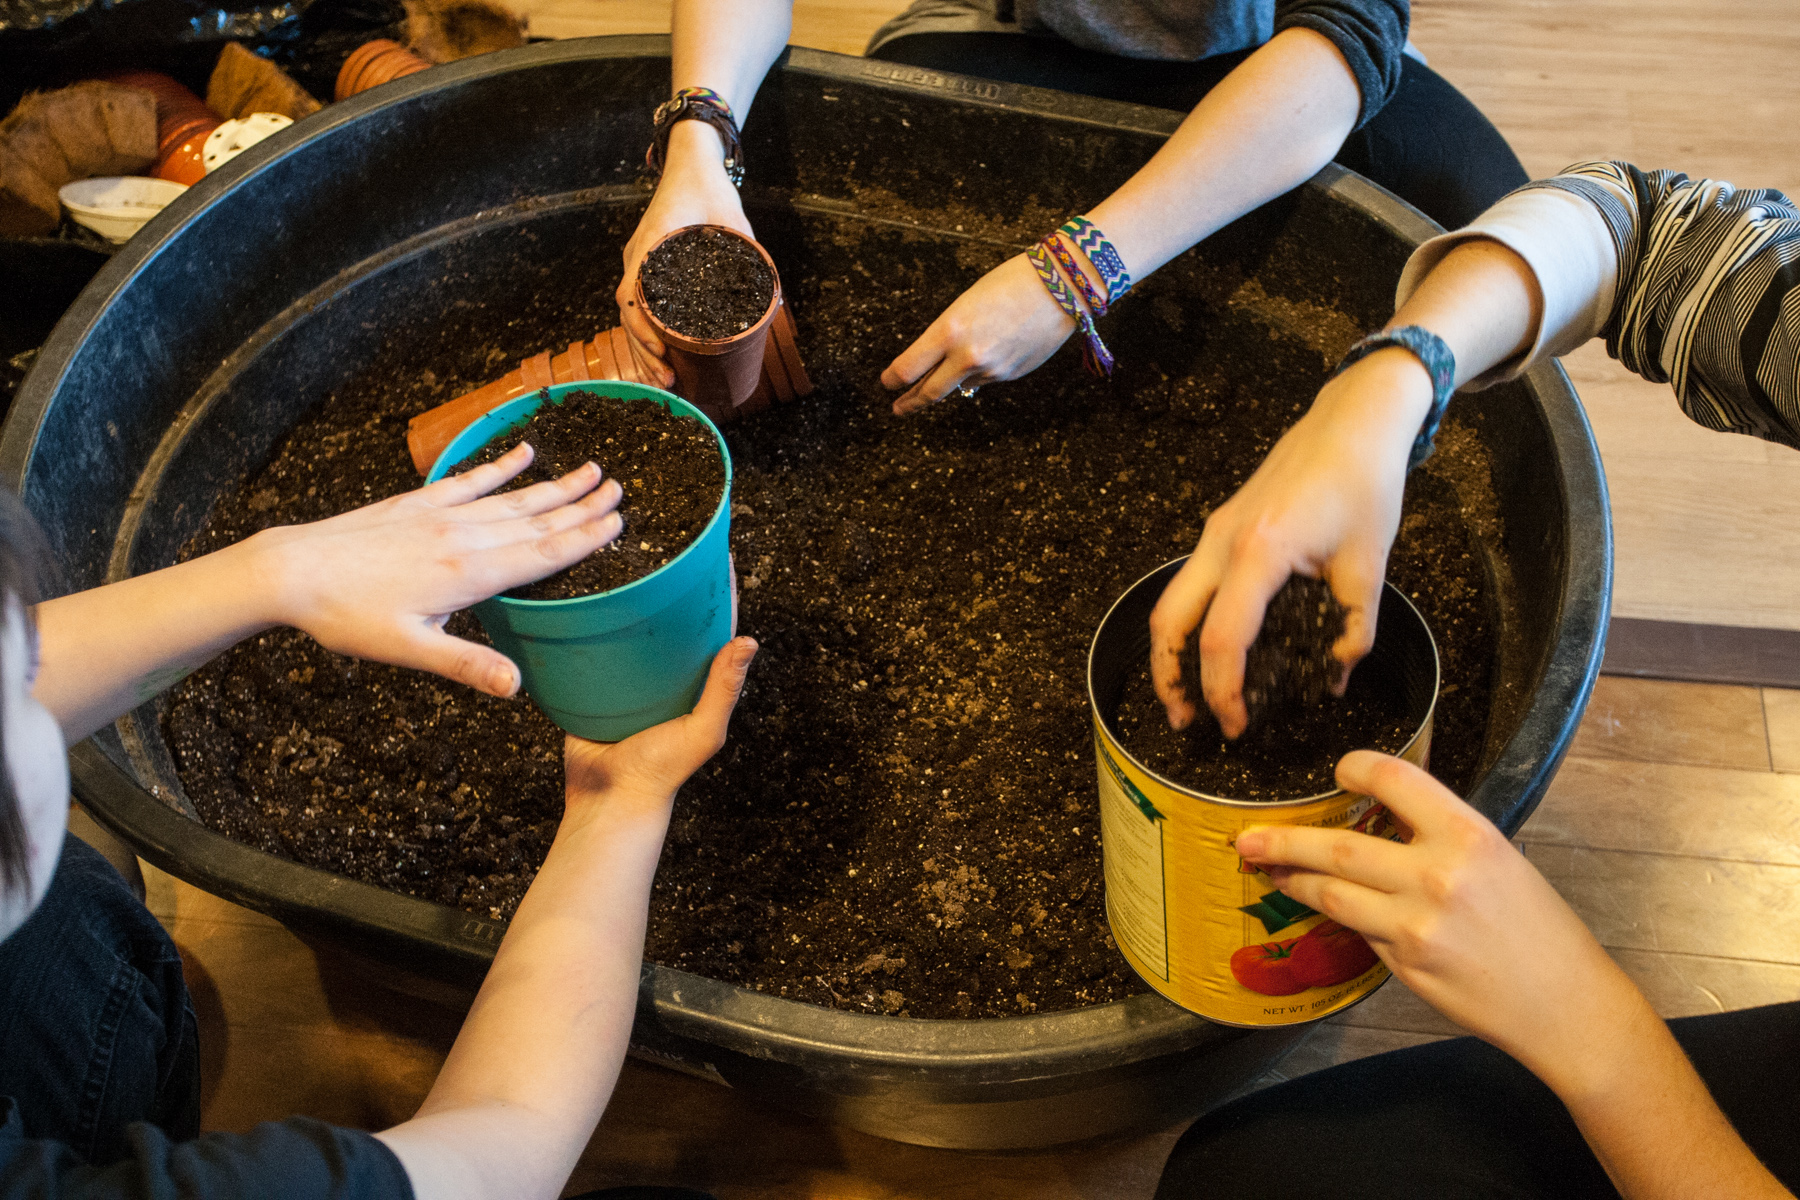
x=1703, y=906
x=673, y=1129
x=1671, y=808
x=1692, y=985
x=1658, y=720
x=1781, y=712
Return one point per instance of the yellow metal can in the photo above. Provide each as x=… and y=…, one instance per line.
x=1200, y=925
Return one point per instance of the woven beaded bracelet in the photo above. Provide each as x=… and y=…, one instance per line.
x=1094, y=354
x=1439, y=362
x=1097, y=304
x=1090, y=241
x=696, y=104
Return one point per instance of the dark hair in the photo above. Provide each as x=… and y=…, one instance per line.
x=23, y=561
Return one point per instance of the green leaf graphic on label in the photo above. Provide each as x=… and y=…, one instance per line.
x=1130, y=789
x=1277, y=911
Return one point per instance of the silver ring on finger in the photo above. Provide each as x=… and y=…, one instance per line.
x=966, y=390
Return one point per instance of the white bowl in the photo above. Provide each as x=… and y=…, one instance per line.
x=116, y=206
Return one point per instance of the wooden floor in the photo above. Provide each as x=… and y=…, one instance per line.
x=1672, y=828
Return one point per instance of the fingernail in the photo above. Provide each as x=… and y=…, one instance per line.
x=746, y=650
x=1252, y=843
x=506, y=680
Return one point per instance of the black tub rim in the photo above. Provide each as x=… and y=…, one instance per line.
x=765, y=1026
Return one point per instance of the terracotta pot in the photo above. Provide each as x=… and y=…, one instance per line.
x=183, y=123
x=608, y=356
x=718, y=375
x=374, y=63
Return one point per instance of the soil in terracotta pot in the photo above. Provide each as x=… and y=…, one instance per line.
x=707, y=284
x=667, y=464
x=905, y=817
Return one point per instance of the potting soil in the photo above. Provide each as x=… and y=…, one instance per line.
x=1298, y=729
x=667, y=465
x=1290, y=661
x=904, y=819
x=707, y=284
x=1289, y=753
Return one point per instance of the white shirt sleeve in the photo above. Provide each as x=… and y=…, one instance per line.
x=1565, y=242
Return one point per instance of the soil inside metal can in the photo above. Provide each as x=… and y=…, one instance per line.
x=1289, y=753
x=1298, y=730
x=904, y=819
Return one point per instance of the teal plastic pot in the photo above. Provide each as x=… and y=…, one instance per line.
x=608, y=665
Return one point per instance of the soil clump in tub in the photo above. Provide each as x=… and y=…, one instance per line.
x=905, y=818
x=707, y=284
x=1298, y=730
x=668, y=466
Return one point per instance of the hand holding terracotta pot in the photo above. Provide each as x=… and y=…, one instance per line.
x=715, y=374
x=775, y=373
x=694, y=190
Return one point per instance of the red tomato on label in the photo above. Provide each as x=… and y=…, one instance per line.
x=1329, y=954
x=1267, y=968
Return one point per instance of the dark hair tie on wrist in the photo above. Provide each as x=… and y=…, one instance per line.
x=1439, y=363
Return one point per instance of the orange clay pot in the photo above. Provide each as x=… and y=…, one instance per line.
x=717, y=375
x=183, y=123
x=608, y=356
x=375, y=63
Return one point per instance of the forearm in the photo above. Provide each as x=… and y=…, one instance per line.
x=1482, y=300
x=1266, y=128
x=728, y=46
x=1651, y=1122
x=531, y=1071
x=105, y=651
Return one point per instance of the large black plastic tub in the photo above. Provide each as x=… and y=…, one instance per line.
x=259, y=291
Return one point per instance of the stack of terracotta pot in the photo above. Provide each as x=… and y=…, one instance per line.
x=375, y=63
x=183, y=123
x=725, y=378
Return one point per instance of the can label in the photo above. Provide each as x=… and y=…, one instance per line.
x=1206, y=929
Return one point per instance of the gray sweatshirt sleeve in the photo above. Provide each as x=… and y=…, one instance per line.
x=1370, y=34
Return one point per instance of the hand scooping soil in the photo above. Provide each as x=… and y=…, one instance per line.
x=669, y=466
x=1298, y=729
x=706, y=284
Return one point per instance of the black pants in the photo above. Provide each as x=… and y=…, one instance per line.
x=1428, y=145
x=1459, y=1118
x=95, y=1027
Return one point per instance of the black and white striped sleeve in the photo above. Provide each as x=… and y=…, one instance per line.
x=1708, y=292
x=1691, y=282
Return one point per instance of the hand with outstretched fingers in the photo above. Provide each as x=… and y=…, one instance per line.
x=647, y=767
x=694, y=190
x=1003, y=327
x=1325, y=503
x=1458, y=914
x=379, y=582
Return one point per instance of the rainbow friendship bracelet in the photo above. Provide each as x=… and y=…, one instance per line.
x=696, y=104
x=1097, y=304
x=1090, y=241
x=1094, y=354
